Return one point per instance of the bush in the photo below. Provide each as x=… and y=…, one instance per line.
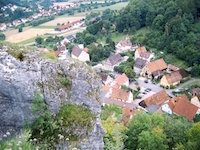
x=2, y=37
x=66, y=82
x=75, y=118
x=20, y=29
x=71, y=121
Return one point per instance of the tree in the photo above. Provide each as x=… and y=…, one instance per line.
x=158, y=22
x=155, y=139
x=2, y=37
x=194, y=136
x=39, y=40
x=152, y=131
x=20, y=29
x=195, y=71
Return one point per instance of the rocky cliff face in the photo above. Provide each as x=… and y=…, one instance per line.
x=19, y=80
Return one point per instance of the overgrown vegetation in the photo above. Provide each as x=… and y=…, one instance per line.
x=68, y=123
x=126, y=67
x=17, y=51
x=112, y=122
x=20, y=142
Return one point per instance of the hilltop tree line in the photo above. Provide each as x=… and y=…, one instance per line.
x=174, y=25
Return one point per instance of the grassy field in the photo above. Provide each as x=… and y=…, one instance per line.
x=62, y=4
x=117, y=6
x=116, y=37
x=29, y=33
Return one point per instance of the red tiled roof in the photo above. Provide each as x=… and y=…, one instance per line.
x=175, y=76
x=141, y=50
x=126, y=42
x=119, y=94
x=106, y=88
x=157, y=99
x=183, y=107
x=121, y=79
x=172, y=67
x=157, y=65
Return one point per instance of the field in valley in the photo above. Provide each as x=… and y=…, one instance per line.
x=29, y=33
x=62, y=19
x=15, y=37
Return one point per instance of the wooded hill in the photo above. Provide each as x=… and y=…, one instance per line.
x=174, y=26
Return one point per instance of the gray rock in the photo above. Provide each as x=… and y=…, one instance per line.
x=20, y=80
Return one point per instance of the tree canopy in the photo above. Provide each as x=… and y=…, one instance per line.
x=174, y=25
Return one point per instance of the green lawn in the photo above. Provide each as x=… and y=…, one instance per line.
x=45, y=27
x=116, y=37
x=140, y=35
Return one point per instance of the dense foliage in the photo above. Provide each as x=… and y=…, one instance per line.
x=174, y=25
x=112, y=122
x=127, y=66
x=155, y=131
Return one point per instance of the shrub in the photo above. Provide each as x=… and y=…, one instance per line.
x=71, y=121
x=66, y=82
x=75, y=118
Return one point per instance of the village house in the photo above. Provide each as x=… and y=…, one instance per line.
x=173, y=78
x=124, y=45
x=9, y=25
x=30, y=18
x=154, y=69
x=195, y=100
x=70, y=38
x=142, y=53
x=121, y=80
x=60, y=50
x=114, y=89
x=171, y=68
x=122, y=95
x=2, y=27
x=155, y=100
x=180, y=105
x=65, y=27
x=106, y=79
x=76, y=23
x=112, y=61
x=24, y=20
x=80, y=54
x=16, y=22
x=138, y=65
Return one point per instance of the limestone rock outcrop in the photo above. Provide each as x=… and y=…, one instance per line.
x=19, y=80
